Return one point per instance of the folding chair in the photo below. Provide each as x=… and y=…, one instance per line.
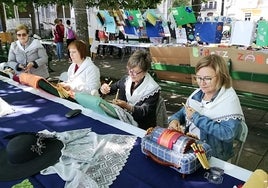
x=63, y=76
x=241, y=138
x=161, y=113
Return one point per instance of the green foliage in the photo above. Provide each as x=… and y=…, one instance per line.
x=10, y=7
x=103, y=4
x=129, y=4
x=51, y=2
x=196, y=3
x=178, y=3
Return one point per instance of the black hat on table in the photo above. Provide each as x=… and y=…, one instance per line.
x=27, y=154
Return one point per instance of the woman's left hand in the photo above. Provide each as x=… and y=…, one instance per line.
x=71, y=94
x=121, y=103
x=28, y=67
x=64, y=85
x=189, y=112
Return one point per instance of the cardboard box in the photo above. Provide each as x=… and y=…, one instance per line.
x=252, y=87
x=242, y=60
x=170, y=55
x=172, y=76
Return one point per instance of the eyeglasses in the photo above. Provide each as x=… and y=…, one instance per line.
x=206, y=79
x=133, y=73
x=22, y=34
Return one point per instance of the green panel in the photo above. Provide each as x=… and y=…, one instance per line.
x=183, y=15
x=134, y=18
x=247, y=99
x=249, y=76
x=236, y=75
x=174, y=68
x=262, y=34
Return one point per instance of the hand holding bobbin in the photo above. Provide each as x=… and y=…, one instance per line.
x=189, y=111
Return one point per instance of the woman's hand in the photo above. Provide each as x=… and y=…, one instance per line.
x=175, y=125
x=28, y=67
x=105, y=88
x=64, y=85
x=189, y=112
x=71, y=93
x=21, y=66
x=123, y=104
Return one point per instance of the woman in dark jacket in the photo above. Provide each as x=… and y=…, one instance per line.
x=138, y=93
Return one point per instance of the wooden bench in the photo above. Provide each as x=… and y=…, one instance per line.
x=248, y=99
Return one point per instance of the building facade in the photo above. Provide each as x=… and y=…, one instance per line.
x=250, y=10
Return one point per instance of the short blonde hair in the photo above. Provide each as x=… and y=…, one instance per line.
x=22, y=27
x=218, y=64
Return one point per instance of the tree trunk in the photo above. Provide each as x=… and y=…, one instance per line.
x=196, y=4
x=2, y=17
x=81, y=20
x=31, y=10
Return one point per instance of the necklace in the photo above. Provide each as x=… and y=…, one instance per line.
x=204, y=102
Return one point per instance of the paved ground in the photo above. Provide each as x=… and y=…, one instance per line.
x=255, y=153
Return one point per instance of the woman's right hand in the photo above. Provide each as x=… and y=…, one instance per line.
x=64, y=85
x=21, y=66
x=175, y=125
x=105, y=88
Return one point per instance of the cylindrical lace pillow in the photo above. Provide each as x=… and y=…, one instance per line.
x=172, y=139
x=30, y=79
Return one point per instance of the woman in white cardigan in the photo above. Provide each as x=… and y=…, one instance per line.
x=27, y=54
x=83, y=75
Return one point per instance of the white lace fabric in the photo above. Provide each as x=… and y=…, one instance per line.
x=5, y=108
x=91, y=160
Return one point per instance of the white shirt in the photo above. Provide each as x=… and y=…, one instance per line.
x=86, y=79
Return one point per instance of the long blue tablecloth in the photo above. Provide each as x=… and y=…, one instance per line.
x=35, y=113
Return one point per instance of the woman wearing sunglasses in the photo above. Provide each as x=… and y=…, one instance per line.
x=213, y=112
x=138, y=93
x=27, y=54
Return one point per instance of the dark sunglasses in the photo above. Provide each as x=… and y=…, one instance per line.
x=22, y=35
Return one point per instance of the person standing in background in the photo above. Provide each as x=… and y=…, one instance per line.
x=58, y=33
x=70, y=35
x=94, y=47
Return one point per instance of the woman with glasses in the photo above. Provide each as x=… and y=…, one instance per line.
x=213, y=112
x=27, y=54
x=138, y=93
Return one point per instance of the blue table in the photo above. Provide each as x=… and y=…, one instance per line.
x=37, y=111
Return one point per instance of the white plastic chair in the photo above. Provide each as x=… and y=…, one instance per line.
x=63, y=76
x=241, y=138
